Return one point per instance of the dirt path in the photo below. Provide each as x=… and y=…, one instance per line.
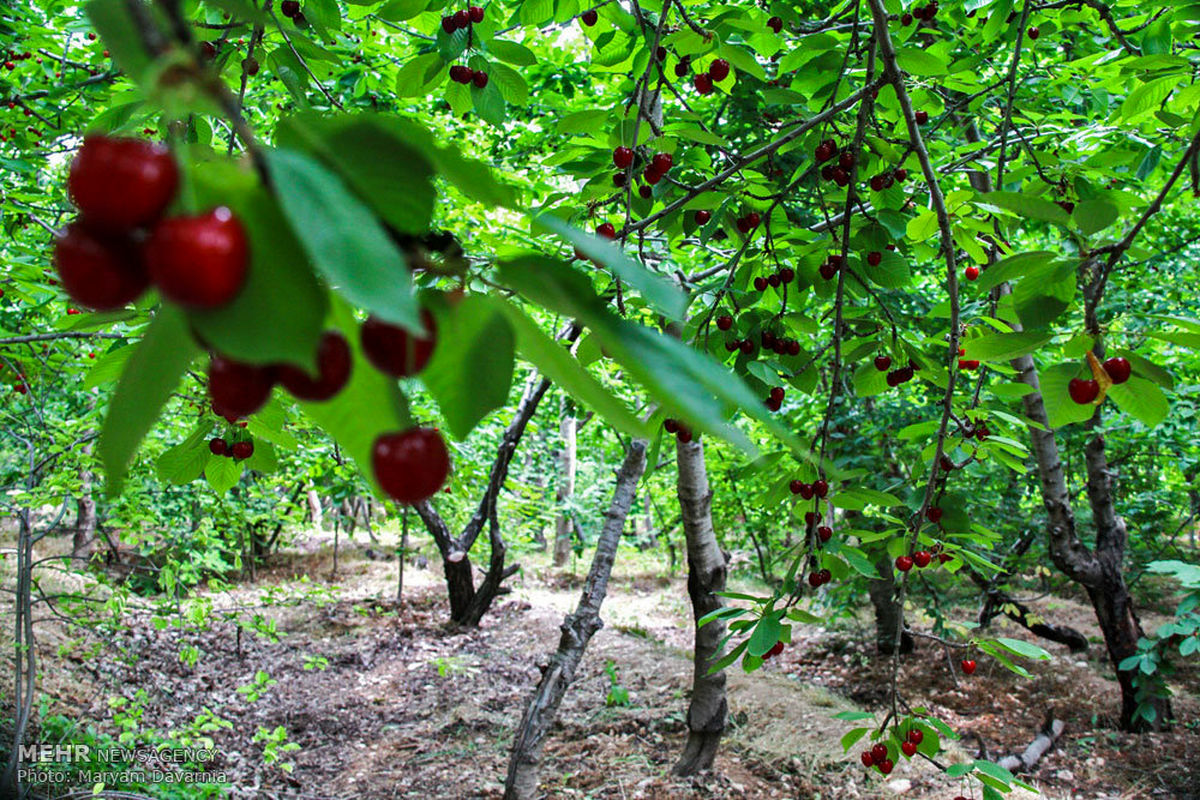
x=395, y=704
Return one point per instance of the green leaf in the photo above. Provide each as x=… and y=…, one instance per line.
x=556, y=363
x=344, y=239
x=1004, y=346
x=472, y=365
x=1093, y=216
x=511, y=84
x=1142, y=400
x=1149, y=96
x=512, y=52
x=1013, y=267
x=994, y=770
x=400, y=10
x=766, y=634
x=278, y=315
x=1022, y=648
x=112, y=20
x=892, y=272
x=108, y=367
x=222, y=473
x=657, y=290
x=149, y=378
x=917, y=61
x=184, y=462
x=851, y=737
x=489, y=103
x=1025, y=205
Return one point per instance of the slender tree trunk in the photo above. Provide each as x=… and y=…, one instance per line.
x=84, y=538
x=577, y=630
x=403, y=554
x=889, y=617
x=708, y=709
x=566, y=483
x=314, y=509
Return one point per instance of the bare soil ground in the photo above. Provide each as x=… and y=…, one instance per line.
x=408, y=707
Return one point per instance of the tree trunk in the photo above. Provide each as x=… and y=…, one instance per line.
x=577, y=630
x=403, y=554
x=566, y=484
x=889, y=617
x=708, y=709
x=84, y=538
x=314, y=509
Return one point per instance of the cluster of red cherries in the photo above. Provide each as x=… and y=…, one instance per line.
x=926, y=12
x=464, y=18
x=770, y=341
x=124, y=241
x=1085, y=391
x=682, y=432
x=718, y=71
x=238, y=451
x=654, y=171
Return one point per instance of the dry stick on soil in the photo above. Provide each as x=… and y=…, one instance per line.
x=577, y=630
x=706, y=576
x=892, y=70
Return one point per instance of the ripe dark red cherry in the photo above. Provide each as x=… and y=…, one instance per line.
x=724, y=322
x=972, y=273
x=718, y=70
x=968, y=666
x=217, y=446
x=645, y=192
x=777, y=394
x=814, y=579
x=703, y=83
x=824, y=533
x=933, y=514
x=752, y=219
x=909, y=749
x=250, y=65
x=119, y=184
x=760, y=283
x=787, y=274
x=242, y=450
x=1118, y=369
x=98, y=271
x=922, y=117
x=622, y=157
x=795, y=486
x=238, y=389
x=922, y=558
x=828, y=270
x=882, y=363
x=820, y=488
x=198, y=261
x=662, y=162
x=589, y=17
x=906, y=19
x=460, y=73
x=1034, y=33
x=901, y=175
x=703, y=216
x=775, y=24
x=877, y=183
x=775, y=650
x=651, y=176
x=1082, y=391
x=846, y=160
x=475, y=13
x=879, y=753
x=916, y=736
x=479, y=78
x=607, y=230
x=904, y=563
x=410, y=465
x=462, y=19
x=874, y=258
x=395, y=351
x=333, y=371
x=289, y=8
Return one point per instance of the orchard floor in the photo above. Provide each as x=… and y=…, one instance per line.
x=408, y=707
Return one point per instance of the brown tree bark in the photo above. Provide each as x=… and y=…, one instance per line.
x=708, y=709
x=84, y=538
x=577, y=630
x=566, y=483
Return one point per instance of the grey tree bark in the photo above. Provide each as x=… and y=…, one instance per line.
x=708, y=709
x=577, y=630
x=83, y=539
x=889, y=617
x=566, y=482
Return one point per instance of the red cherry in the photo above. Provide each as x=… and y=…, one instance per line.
x=968, y=666
x=824, y=533
x=879, y=753
x=622, y=157
x=662, y=162
x=874, y=258
x=787, y=274
x=718, y=70
x=886, y=766
x=916, y=736
x=462, y=19
x=1118, y=369
x=776, y=649
x=814, y=579
x=795, y=486
x=645, y=192
x=760, y=283
x=1082, y=391
x=395, y=351
x=909, y=749
x=289, y=8
x=753, y=219
x=238, y=389
x=590, y=17
x=906, y=19
x=217, y=446
x=867, y=759
x=1034, y=33
x=811, y=517
x=922, y=117
x=479, y=78
x=806, y=491
x=877, y=183
x=703, y=216
x=460, y=73
x=902, y=174
x=98, y=271
x=828, y=270
x=820, y=488
x=933, y=514
x=724, y=322
x=410, y=465
x=922, y=558
x=119, y=184
x=475, y=13
x=904, y=563
x=775, y=24
x=607, y=230
x=333, y=371
x=703, y=84
x=972, y=273
x=198, y=261
x=777, y=394
x=882, y=363
x=242, y=450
